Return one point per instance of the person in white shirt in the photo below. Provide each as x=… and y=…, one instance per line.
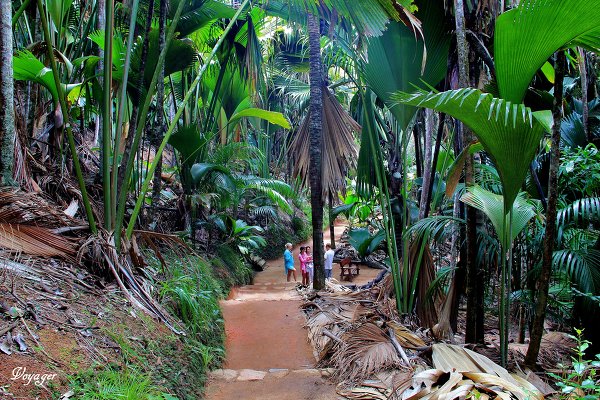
x=329, y=253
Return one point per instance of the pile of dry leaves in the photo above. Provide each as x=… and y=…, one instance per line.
x=375, y=354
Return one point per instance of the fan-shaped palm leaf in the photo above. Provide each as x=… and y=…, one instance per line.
x=492, y=205
x=27, y=67
x=526, y=36
x=202, y=15
x=510, y=133
x=436, y=227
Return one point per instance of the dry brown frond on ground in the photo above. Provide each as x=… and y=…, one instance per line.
x=376, y=354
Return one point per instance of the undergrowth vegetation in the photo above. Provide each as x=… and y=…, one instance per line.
x=155, y=366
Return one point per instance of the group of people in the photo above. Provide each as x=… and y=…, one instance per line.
x=306, y=263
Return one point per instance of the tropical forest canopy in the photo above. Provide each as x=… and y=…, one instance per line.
x=458, y=141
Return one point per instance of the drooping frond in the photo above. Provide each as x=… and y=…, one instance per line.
x=436, y=227
x=580, y=211
x=339, y=147
x=582, y=266
x=395, y=59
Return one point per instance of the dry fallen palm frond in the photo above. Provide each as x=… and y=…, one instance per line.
x=34, y=240
x=405, y=337
x=338, y=145
x=31, y=208
x=367, y=350
x=455, y=358
x=435, y=384
x=361, y=393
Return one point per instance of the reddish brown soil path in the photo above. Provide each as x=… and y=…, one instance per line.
x=268, y=354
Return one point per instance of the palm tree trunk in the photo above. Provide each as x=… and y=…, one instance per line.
x=434, y=161
x=584, y=93
x=160, y=100
x=474, y=328
x=427, y=164
x=316, y=141
x=537, y=329
x=100, y=25
x=331, y=222
x=107, y=115
x=7, y=110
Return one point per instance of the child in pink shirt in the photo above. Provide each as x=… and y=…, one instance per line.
x=303, y=257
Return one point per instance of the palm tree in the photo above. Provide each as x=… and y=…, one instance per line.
x=7, y=113
x=537, y=329
x=316, y=140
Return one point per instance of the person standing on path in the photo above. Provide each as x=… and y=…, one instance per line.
x=288, y=260
x=310, y=269
x=329, y=253
x=303, y=258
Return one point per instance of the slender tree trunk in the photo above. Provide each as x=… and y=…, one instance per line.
x=316, y=141
x=160, y=102
x=331, y=222
x=537, y=330
x=584, y=93
x=474, y=328
x=427, y=164
x=436, y=153
x=7, y=93
x=418, y=157
x=100, y=25
x=107, y=116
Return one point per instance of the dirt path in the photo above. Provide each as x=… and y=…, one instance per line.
x=268, y=354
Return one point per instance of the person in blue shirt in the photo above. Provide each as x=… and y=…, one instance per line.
x=288, y=260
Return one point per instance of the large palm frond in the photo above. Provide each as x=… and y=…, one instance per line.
x=510, y=133
x=339, y=147
x=526, y=36
x=27, y=67
x=580, y=211
x=396, y=58
x=582, y=266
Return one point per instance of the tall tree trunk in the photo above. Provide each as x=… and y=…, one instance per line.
x=434, y=161
x=427, y=164
x=7, y=93
x=160, y=102
x=316, y=142
x=331, y=222
x=537, y=329
x=474, y=328
x=100, y=25
x=584, y=93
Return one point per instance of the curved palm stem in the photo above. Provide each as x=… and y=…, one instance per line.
x=122, y=101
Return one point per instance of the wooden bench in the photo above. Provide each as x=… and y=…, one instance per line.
x=348, y=269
